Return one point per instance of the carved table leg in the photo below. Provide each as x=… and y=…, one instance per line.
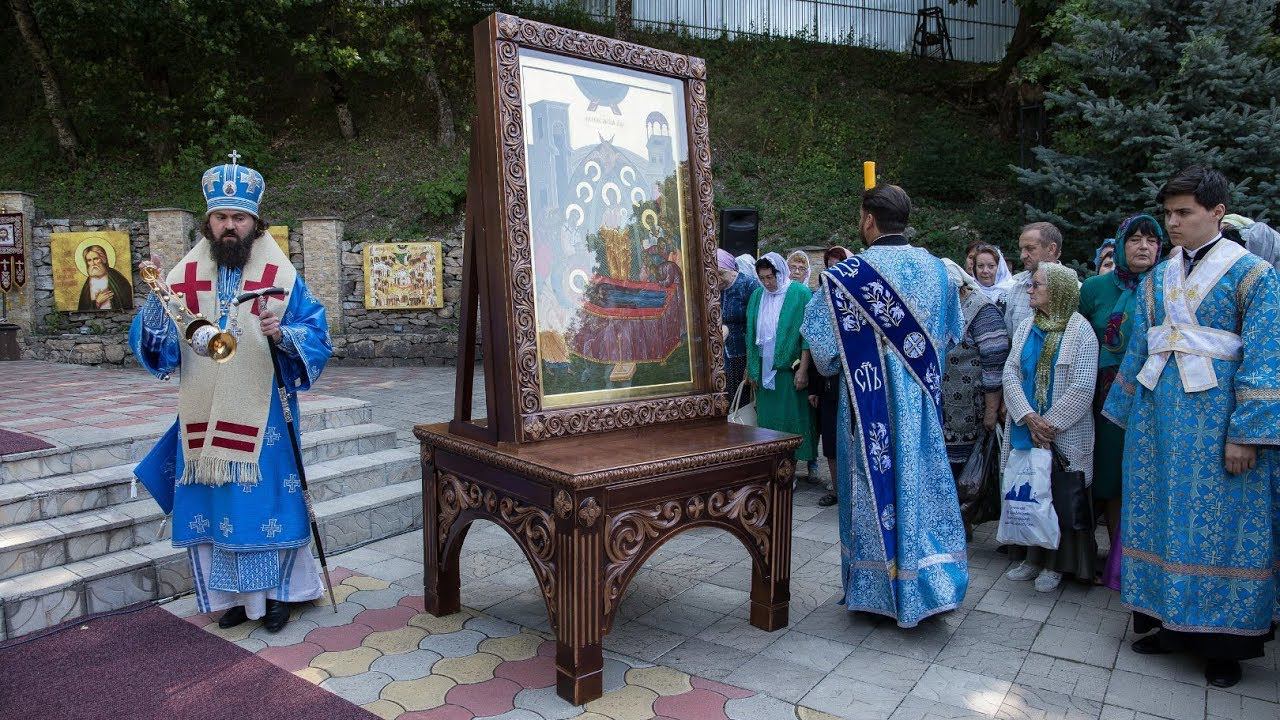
x=579, y=621
x=771, y=584
x=441, y=580
x=440, y=577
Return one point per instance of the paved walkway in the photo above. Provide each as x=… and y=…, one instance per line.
x=682, y=647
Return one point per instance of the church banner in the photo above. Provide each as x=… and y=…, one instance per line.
x=13, y=258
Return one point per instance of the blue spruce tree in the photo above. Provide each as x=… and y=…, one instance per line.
x=1138, y=89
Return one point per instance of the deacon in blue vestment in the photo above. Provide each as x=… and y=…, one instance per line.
x=1198, y=394
x=225, y=471
x=883, y=321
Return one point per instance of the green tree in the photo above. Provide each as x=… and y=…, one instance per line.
x=50, y=83
x=1141, y=88
x=160, y=74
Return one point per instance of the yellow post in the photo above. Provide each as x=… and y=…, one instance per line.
x=868, y=174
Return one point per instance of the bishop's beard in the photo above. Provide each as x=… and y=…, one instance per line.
x=228, y=253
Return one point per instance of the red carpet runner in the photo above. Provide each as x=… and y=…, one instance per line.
x=149, y=664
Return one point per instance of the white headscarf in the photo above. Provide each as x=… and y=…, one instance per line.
x=746, y=264
x=767, y=319
x=808, y=267
x=996, y=292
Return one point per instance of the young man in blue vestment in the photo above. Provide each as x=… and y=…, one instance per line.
x=1198, y=394
x=225, y=471
x=883, y=322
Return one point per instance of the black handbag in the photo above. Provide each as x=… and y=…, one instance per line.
x=1072, y=498
x=978, y=483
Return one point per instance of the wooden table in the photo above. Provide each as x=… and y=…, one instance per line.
x=588, y=511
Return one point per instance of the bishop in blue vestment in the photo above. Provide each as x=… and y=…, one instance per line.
x=1198, y=394
x=225, y=471
x=883, y=321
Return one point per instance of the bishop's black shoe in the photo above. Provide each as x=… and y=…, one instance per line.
x=232, y=617
x=1222, y=673
x=277, y=616
x=1149, y=645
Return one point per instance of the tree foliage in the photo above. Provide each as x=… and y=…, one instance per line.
x=1141, y=88
x=175, y=79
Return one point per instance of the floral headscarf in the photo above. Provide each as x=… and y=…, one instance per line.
x=746, y=264
x=1064, y=300
x=1115, y=340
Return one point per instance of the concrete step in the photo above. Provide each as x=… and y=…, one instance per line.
x=42, y=544
x=156, y=569
x=81, y=449
x=47, y=498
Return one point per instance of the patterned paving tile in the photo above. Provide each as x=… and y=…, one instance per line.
x=292, y=657
x=342, y=637
x=455, y=644
x=490, y=697
x=468, y=670
x=406, y=666
x=515, y=647
x=360, y=689
x=534, y=672
x=392, y=642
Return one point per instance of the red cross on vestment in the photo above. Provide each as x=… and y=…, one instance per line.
x=190, y=286
x=267, y=280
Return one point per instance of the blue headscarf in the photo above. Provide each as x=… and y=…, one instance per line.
x=1097, y=254
x=1115, y=340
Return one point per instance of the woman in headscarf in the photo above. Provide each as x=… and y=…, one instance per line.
x=777, y=357
x=991, y=272
x=824, y=396
x=735, y=290
x=1104, y=258
x=799, y=268
x=1048, y=390
x=1109, y=302
x=971, y=386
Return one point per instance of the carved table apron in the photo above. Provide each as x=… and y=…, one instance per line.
x=588, y=511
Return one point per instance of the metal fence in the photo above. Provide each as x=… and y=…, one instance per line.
x=978, y=34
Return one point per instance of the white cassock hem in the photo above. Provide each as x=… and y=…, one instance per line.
x=300, y=581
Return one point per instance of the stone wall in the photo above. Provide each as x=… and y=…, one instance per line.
x=87, y=338
x=360, y=336
x=399, y=337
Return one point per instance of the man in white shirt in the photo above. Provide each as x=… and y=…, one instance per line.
x=1039, y=242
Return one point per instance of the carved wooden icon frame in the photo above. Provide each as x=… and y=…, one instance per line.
x=498, y=277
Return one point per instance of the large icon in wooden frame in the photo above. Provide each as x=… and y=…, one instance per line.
x=591, y=240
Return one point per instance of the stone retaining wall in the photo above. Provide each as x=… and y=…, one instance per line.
x=361, y=337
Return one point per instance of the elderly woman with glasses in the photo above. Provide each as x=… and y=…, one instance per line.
x=1048, y=391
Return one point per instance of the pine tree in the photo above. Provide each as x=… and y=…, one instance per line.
x=1138, y=89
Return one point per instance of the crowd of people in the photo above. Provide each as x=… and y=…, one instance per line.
x=1156, y=380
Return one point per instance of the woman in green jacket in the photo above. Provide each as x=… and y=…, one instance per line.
x=778, y=357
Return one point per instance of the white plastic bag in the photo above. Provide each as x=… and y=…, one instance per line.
x=739, y=413
x=1027, y=516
